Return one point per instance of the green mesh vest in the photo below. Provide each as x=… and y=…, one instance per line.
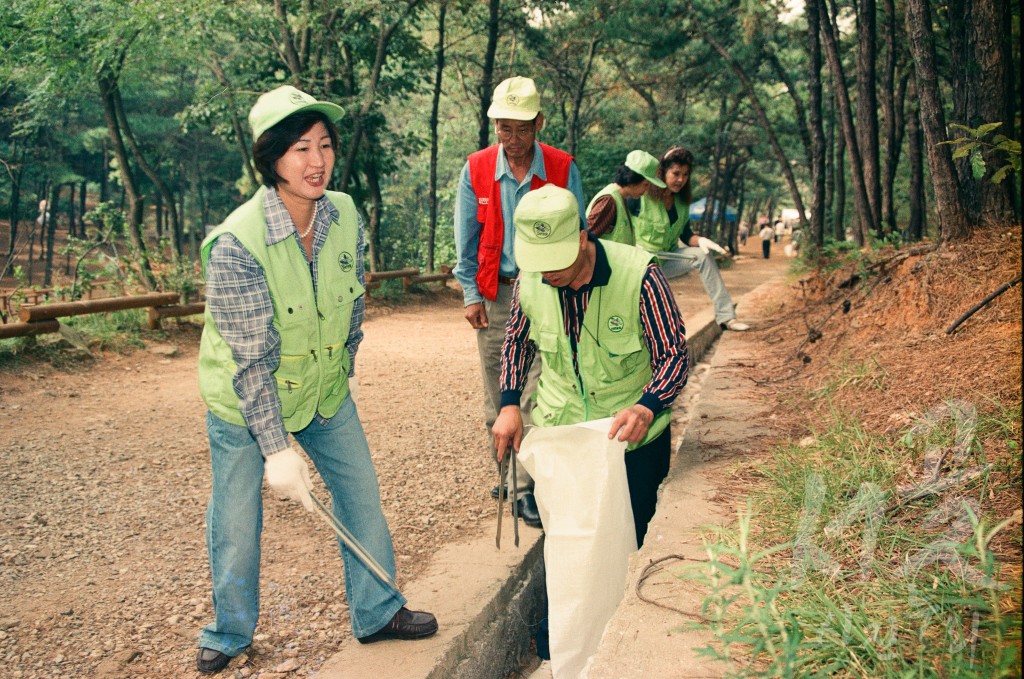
x=622, y=232
x=654, y=232
x=312, y=376
x=614, y=360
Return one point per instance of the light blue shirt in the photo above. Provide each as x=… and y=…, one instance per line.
x=467, y=228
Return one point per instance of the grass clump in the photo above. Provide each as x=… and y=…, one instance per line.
x=861, y=555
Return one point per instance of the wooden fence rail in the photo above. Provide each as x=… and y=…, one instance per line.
x=38, y=319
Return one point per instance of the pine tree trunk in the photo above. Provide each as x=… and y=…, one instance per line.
x=954, y=220
x=816, y=238
x=487, y=77
x=434, y=108
x=915, y=152
x=843, y=110
x=51, y=228
x=983, y=93
x=867, y=113
x=108, y=92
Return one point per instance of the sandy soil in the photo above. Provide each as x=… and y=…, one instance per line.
x=105, y=470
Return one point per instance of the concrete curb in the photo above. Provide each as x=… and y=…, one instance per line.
x=644, y=640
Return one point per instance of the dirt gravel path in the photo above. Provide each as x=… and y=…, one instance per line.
x=105, y=475
x=105, y=471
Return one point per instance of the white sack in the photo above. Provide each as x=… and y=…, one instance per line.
x=583, y=498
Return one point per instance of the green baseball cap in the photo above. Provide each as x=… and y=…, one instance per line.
x=547, y=229
x=515, y=99
x=274, y=106
x=645, y=165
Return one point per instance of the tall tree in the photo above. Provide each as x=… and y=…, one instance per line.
x=982, y=86
x=954, y=220
x=915, y=151
x=762, y=117
x=486, y=87
x=816, y=238
x=845, y=114
x=867, y=109
x=435, y=104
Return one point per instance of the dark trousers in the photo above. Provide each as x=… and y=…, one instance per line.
x=766, y=247
x=646, y=468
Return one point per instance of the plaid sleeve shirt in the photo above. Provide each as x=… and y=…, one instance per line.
x=239, y=300
x=663, y=330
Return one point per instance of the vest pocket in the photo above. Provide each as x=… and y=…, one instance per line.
x=290, y=383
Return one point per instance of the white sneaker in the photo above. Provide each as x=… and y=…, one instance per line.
x=733, y=324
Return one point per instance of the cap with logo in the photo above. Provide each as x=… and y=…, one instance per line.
x=547, y=229
x=274, y=106
x=645, y=165
x=515, y=99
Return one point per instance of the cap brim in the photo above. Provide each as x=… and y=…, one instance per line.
x=333, y=112
x=500, y=113
x=657, y=182
x=535, y=257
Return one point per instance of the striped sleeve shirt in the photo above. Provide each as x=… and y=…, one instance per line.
x=239, y=300
x=663, y=331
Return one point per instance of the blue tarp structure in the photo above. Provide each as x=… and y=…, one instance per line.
x=697, y=211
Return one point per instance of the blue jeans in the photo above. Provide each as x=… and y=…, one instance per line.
x=234, y=520
x=710, y=276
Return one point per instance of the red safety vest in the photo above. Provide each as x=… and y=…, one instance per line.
x=482, y=166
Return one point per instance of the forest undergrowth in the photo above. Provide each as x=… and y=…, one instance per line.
x=882, y=532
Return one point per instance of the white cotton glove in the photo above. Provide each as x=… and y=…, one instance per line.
x=353, y=387
x=288, y=476
x=706, y=244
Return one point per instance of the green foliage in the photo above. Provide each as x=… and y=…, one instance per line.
x=826, y=574
x=1003, y=152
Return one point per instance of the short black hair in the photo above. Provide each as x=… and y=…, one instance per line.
x=276, y=141
x=626, y=177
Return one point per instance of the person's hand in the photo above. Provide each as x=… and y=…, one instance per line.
x=476, y=315
x=706, y=244
x=353, y=387
x=631, y=424
x=507, y=430
x=288, y=475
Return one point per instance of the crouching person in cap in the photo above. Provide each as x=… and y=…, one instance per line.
x=284, y=308
x=610, y=338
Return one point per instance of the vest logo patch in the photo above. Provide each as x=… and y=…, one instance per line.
x=541, y=230
x=484, y=201
x=512, y=100
x=616, y=324
x=345, y=261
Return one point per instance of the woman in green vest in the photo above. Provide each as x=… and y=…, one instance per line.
x=607, y=216
x=284, y=308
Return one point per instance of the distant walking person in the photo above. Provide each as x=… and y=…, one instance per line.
x=767, y=233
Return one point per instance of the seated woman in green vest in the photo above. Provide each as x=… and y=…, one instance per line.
x=661, y=222
x=607, y=216
x=284, y=309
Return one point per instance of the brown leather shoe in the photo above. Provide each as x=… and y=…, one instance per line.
x=405, y=625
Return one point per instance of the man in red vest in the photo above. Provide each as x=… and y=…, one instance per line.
x=493, y=181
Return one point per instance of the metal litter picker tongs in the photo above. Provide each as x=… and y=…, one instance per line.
x=354, y=546
x=502, y=492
